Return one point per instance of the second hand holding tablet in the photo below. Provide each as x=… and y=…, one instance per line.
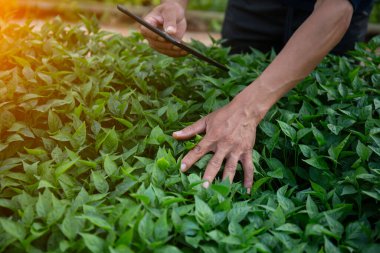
x=172, y=40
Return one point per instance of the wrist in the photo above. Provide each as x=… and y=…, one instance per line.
x=256, y=99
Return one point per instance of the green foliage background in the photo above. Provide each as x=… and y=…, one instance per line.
x=219, y=5
x=210, y=5
x=88, y=164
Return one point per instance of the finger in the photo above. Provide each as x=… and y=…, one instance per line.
x=213, y=167
x=190, y=131
x=149, y=35
x=181, y=28
x=154, y=18
x=172, y=53
x=170, y=22
x=248, y=171
x=230, y=168
x=163, y=45
x=194, y=155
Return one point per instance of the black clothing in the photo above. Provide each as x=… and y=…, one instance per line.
x=268, y=24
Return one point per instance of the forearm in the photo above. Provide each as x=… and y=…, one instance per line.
x=304, y=51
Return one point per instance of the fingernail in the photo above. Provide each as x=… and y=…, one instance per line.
x=178, y=133
x=150, y=20
x=183, y=167
x=248, y=190
x=206, y=184
x=170, y=29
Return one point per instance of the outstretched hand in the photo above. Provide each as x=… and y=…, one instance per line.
x=230, y=135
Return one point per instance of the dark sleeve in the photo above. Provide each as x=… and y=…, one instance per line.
x=355, y=3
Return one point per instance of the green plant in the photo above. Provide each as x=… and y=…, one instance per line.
x=375, y=14
x=88, y=164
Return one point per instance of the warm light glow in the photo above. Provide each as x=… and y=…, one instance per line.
x=9, y=9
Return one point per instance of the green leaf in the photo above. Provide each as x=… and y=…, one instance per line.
x=375, y=149
x=288, y=130
x=317, y=162
x=319, y=136
x=278, y=173
x=277, y=168
x=307, y=151
x=99, y=182
x=162, y=163
x=109, y=165
x=238, y=212
x=161, y=228
x=46, y=78
x=111, y=142
x=65, y=166
x=108, y=141
x=335, y=129
x=334, y=152
x=168, y=249
x=124, y=122
x=268, y=128
x=334, y=225
x=44, y=204
x=94, y=243
x=169, y=200
x=172, y=113
x=317, y=188
x=79, y=137
x=13, y=228
x=257, y=185
x=286, y=204
x=54, y=121
x=289, y=228
x=329, y=247
x=311, y=207
x=302, y=133
x=216, y=235
x=44, y=184
x=57, y=210
x=222, y=189
x=97, y=221
x=372, y=194
x=28, y=73
x=363, y=151
x=35, y=151
x=157, y=136
x=202, y=163
x=71, y=226
x=278, y=217
x=21, y=61
x=204, y=214
x=146, y=228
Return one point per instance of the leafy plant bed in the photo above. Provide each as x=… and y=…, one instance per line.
x=88, y=163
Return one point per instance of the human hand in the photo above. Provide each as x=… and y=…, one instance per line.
x=230, y=135
x=170, y=16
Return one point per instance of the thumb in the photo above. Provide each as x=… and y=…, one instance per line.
x=170, y=21
x=192, y=130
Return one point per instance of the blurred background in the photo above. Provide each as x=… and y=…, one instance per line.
x=204, y=17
